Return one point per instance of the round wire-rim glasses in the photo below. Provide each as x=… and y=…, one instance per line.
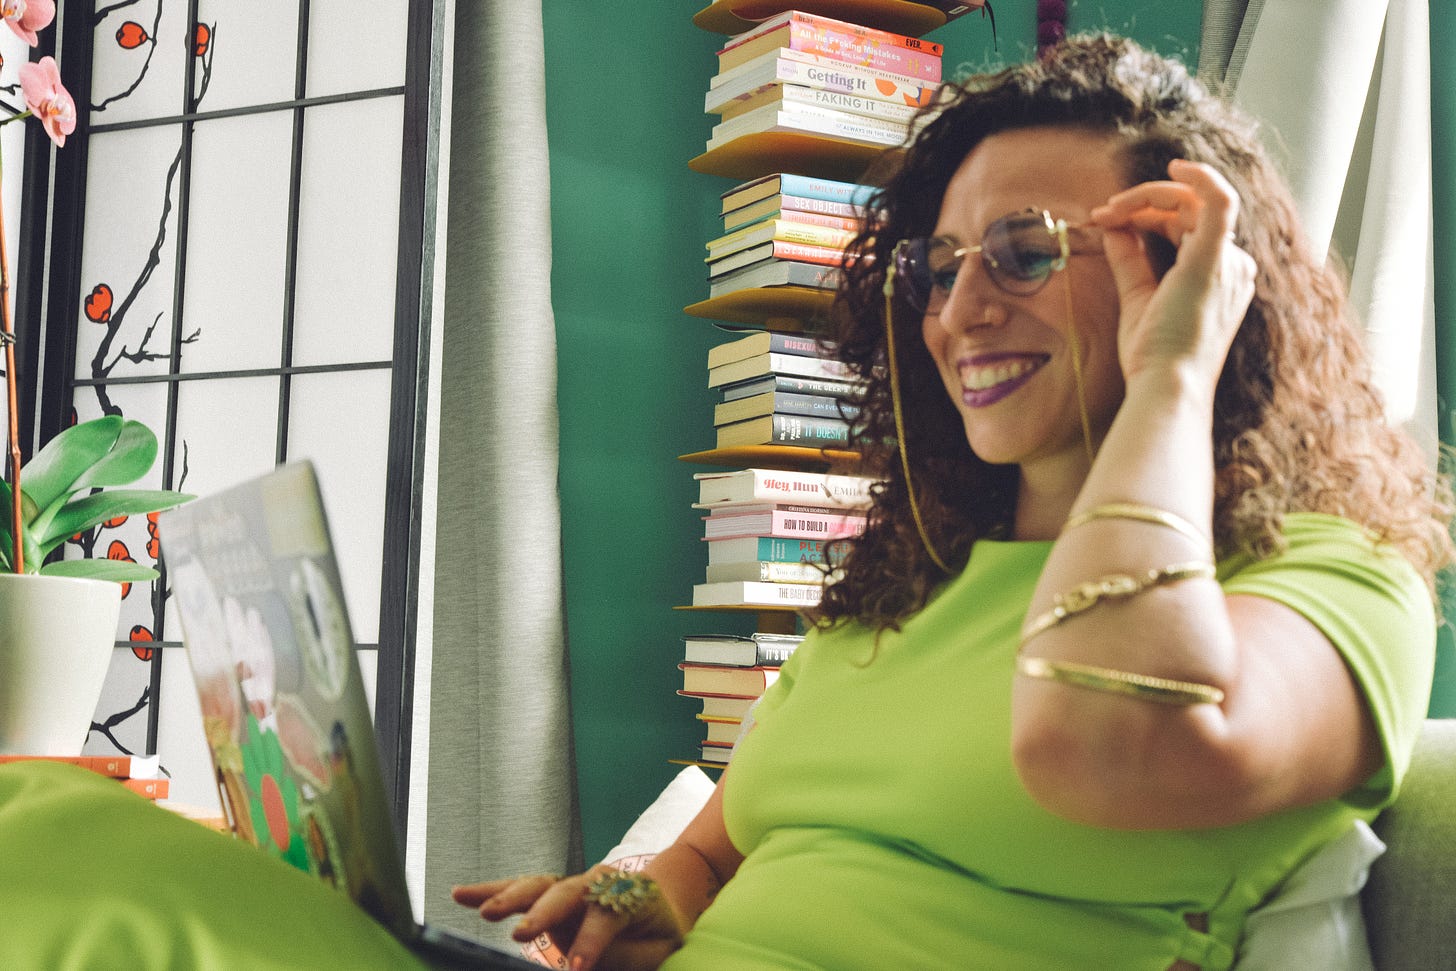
x=1019, y=252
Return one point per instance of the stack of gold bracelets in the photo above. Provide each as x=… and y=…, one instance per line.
x=1119, y=586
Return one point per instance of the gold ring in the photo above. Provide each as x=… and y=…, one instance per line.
x=622, y=892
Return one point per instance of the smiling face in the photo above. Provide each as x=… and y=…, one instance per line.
x=1007, y=360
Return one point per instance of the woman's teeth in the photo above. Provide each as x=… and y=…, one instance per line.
x=979, y=378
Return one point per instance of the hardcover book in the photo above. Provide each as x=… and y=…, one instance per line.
x=825, y=489
x=722, y=706
x=717, y=752
x=778, y=249
x=768, y=571
x=804, y=186
x=720, y=680
x=829, y=387
x=757, y=650
x=803, y=217
x=770, y=363
x=763, y=342
x=811, y=119
x=838, y=39
x=776, y=548
x=749, y=593
x=855, y=104
x=783, y=403
x=777, y=429
x=782, y=519
x=812, y=70
x=785, y=229
x=721, y=731
x=793, y=207
x=772, y=272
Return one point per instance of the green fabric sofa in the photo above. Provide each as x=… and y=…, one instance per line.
x=1410, y=898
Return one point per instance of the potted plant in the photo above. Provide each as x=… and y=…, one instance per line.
x=58, y=619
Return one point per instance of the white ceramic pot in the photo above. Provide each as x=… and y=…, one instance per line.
x=57, y=636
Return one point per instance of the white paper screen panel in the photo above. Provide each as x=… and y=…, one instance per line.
x=237, y=243
x=338, y=420
x=348, y=224
x=354, y=46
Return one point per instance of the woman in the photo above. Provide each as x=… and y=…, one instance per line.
x=1143, y=615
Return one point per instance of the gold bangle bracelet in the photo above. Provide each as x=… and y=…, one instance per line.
x=1164, y=691
x=1114, y=586
x=1143, y=514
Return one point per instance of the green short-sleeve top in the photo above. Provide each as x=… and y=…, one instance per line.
x=884, y=825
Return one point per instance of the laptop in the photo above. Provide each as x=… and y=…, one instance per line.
x=253, y=575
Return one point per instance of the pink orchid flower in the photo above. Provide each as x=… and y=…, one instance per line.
x=25, y=17
x=48, y=99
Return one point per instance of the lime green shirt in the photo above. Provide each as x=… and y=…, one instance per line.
x=884, y=825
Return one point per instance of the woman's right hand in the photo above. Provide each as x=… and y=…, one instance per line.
x=588, y=932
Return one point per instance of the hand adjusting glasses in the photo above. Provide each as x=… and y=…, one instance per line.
x=1019, y=252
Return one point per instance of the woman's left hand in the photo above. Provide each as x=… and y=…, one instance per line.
x=1188, y=318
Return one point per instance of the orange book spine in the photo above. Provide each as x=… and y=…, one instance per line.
x=117, y=766
x=151, y=788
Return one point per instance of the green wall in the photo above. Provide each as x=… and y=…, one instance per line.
x=624, y=99
x=1443, y=176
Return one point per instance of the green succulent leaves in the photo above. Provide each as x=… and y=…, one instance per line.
x=57, y=500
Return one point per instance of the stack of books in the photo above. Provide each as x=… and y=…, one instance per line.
x=801, y=72
x=768, y=534
x=727, y=673
x=142, y=775
x=779, y=388
x=784, y=229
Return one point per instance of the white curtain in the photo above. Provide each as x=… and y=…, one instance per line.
x=1343, y=89
x=493, y=779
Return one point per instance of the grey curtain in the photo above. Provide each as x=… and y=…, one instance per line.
x=1228, y=26
x=1343, y=89
x=500, y=776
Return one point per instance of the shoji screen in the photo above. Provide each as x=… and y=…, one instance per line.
x=233, y=265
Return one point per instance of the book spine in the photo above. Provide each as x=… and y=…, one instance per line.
x=910, y=56
x=849, y=224
x=782, y=550
x=791, y=113
x=786, y=403
x=812, y=405
x=829, y=387
x=768, y=571
x=799, y=274
x=775, y=654
x=853, y=194
x=807, y=204
x=779, y=342
x=810, y=524
x=750, y=593
x=784, y=249
x=852, y=103
x=782, y=343
x=115, y=766
x=800, y=430
x=785, y=229
x=849, y=127
x=150, y=788
x=861, y=79
x=785, y=524
x=775, y=485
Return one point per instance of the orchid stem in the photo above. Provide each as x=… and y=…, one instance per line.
x=7, y=335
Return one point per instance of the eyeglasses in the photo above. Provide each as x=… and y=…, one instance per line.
x=1019, y=252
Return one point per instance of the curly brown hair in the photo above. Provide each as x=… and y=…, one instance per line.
x=1298, y=424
